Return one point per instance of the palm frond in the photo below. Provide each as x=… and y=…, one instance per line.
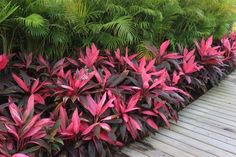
x=58, y=36
x=34, y=24
x=122, y=27
x=114, y=9
x=6, y=10
x=109, y=41
x=143, y=52
x=142, y=10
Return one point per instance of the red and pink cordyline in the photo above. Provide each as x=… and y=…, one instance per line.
x=96, y=99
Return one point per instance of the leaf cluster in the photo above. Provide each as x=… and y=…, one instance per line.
x=92, y=104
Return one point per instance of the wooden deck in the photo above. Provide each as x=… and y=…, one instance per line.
x=206, y=128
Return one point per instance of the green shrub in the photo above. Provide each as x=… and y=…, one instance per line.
x=56, y=27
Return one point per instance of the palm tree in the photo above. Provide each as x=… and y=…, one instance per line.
x=6, y=10
x=33, y=26
x=56, y=27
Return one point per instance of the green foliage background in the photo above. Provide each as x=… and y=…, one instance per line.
x=57, y=27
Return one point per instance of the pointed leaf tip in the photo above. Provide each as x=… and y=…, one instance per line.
x=20, y=82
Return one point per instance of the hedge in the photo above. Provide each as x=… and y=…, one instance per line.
x=94, y=104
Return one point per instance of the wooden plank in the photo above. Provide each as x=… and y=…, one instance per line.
x=205, y=132
x=231, y=94
x=212, y=108
x=182, y=146
x=223, y=91
x=214, y=113
x=218, y=103
x=204, y=139
x=208, y=121
x=206, y=126
x=133, y=153
x=227, y=83
x=232, y=80
x=221, y=98
x=226, y=107
x=219, y=92
x=231, y=77
x=223, y=95
x=144, y=149
x=167, y=148
x=195, y=143
x=216, y=93
x=226, y=90
x=202, y=114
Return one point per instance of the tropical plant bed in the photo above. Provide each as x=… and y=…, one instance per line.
x=94, y=104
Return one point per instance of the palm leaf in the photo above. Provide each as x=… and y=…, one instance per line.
x=6, y=10
x=34, y=24
x=143, y=52
x=109, y=41
x=122, y=27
